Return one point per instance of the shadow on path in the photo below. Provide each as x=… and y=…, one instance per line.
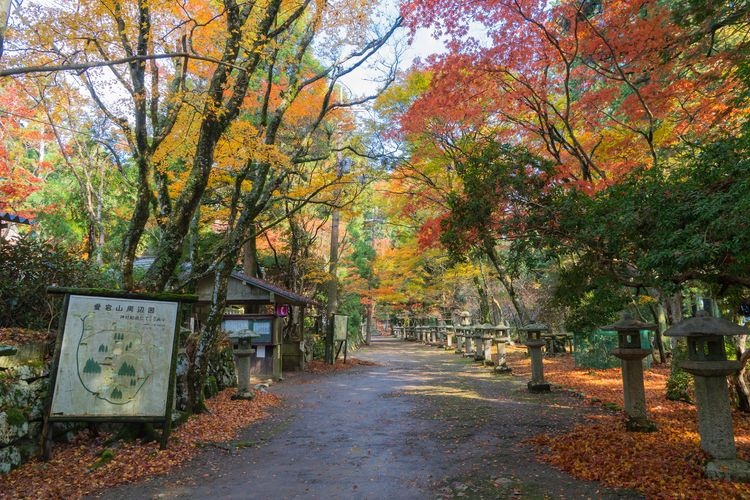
x=424, y=423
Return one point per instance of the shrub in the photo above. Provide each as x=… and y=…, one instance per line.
x=27, y=267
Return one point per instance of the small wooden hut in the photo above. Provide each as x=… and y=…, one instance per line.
x=274, y=313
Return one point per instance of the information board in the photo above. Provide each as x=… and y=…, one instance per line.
x=340, y=323
x=115, y=358
x=261, y=326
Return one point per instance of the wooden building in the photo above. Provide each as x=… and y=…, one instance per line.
x=276, y=314
x=8, y=222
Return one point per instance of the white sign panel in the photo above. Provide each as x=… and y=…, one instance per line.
x=115, y=358
x=340, y=323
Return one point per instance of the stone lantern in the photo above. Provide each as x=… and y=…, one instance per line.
x=465, y=322
x=243, y=338
x=459, y=339
x=469, y=347
x=630, y=352
x=448, y=336
x=483, y=339
x=707, y=362
x=476, y=338
x=534, y=343
x=501, y=365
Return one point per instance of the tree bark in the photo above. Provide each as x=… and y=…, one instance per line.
x=198, y=369
x=507, y=282
x=250, y=255
x=739, y=379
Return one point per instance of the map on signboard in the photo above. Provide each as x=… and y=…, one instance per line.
x=115, y=358
x=340, y=323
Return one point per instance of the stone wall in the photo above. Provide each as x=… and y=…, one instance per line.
x=24, y=379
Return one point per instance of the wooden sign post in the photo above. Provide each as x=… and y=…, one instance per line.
x=340, y=324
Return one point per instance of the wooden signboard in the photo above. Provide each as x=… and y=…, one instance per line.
x=115, y=359
x=340, y=324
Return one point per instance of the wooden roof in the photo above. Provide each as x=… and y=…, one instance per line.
x=246, y=289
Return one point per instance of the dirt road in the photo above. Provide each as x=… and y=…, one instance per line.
x=424, y=423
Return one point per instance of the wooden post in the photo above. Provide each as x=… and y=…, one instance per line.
x=167, y=428
x=46, y=438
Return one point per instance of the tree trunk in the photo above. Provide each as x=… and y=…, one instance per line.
x=507, y=282
x=332, y=288
x=679, y=381
x=250, y=256
x=484, y=304
x=739, y=379
x=198, y=369
x=661, y=326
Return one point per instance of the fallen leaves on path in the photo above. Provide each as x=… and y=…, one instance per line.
x=321, y=367
x=664, y=464
x=21, y=336
x=88, y=464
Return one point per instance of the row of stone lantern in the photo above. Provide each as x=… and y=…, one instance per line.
x=477, y=342
x=707, y=362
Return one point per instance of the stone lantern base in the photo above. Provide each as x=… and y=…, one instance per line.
x=728, y=470
x=503, y=368
x=640, y=424
x=246, y=395
x=538, y=387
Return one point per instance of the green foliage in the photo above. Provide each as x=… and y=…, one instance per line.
x=211, y=388
x=363, y=252
x=15, y=416
x=662, y=231
x=680, y=383
x=28, y=267
x=105, y=457
x=499, y=181
x=593, y=349
x=350, y=305
x=587, y=299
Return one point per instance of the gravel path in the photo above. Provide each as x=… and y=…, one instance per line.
x=424, y=423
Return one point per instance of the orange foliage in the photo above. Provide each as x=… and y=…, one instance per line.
x=665, y=464
x=21, y=174
x=599, y=90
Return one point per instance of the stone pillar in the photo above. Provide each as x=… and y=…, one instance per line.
x=469, y=343
x=634, y=393
x=630, y=352
x=487, y=350
x=243, y=377
x=534, y=344
x=707, y=362
x=242, y=354
x=537, y=382
x=459, y=341
x=478, y=334
x=715, y=417
x=501, y=365
x=448, y=337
